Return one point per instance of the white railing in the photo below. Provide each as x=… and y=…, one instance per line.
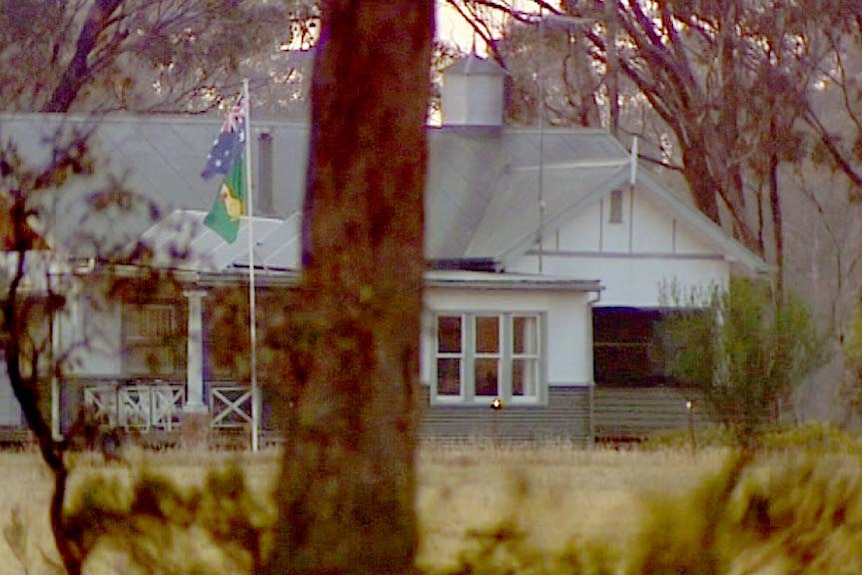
x=158, y=406
x=101, y=403
x=230, y=406
x=142, y=407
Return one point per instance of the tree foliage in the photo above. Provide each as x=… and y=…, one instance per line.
x=744, y=352
x=148, y=55
x=725, y=92
x=160, y=527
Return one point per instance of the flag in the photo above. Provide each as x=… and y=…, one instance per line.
x=226, y=158
x=227, y=148
x=224, y=215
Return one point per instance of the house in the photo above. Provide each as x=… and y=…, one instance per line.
x=548, y=251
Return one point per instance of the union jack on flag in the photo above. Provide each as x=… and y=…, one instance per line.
x=227, y=148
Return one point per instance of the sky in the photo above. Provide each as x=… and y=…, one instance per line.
x=451, y=27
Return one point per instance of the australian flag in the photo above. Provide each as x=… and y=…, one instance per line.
x=229, y=145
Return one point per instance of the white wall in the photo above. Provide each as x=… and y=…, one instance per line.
x=633, y=282
x=569, y=326
x=647, y=228
x=100, y=328
x=651, y=248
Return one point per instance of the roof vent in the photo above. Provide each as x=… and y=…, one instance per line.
x=473, y=93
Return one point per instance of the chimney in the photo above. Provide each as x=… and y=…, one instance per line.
x=473, y=93
x=264, y=203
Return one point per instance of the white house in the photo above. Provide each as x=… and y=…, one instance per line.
x=547, y=249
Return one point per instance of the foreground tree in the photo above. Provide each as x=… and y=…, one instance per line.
x=26, y=342
x=347, y=486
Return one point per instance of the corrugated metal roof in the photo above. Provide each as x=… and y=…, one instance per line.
x=208, y=253
x=159, y=158
x=464, y=171
x=481, y=197
x=560, y=146
x=512, y=220
x=182, y=241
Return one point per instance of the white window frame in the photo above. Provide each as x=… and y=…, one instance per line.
x=488, y=355
x=505, y=356
x=537, y=357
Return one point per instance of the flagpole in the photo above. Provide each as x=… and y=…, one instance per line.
x=255, y=396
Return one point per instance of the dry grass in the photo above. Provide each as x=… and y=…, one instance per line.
x=559, y=490
x=554, y=493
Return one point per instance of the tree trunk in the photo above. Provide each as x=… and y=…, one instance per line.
x=777, y=227
x=698, y=177
x=346, y=493
x=79, y=69
x=25, y=390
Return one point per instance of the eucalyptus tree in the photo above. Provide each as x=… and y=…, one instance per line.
x=147, y=55
x=735, y=86
x=348, y=483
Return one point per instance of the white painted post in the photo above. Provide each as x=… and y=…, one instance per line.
x=195, y=354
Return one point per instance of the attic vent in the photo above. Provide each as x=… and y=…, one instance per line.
x=616, y=211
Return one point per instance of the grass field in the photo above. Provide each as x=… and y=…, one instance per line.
x=554, y=493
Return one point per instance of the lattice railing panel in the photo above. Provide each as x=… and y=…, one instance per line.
x=230, y=406
x=139, y=406
x=101, y=401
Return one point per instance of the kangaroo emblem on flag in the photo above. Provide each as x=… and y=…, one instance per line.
x=232, y=202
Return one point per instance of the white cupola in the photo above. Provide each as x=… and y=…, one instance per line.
x=472, y=93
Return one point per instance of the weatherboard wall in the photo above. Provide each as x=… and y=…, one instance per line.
x=636, y=259
x=565, y=417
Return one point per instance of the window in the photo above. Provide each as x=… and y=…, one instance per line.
x=151, y=342
x=486, y=359
x=616, y=211
x=525, y=356
x=630, y=347
x=450, y=356
x=480, y=357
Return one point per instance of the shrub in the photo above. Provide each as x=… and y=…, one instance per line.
x=745, y=354
x=785, y=515
x=816, y=437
